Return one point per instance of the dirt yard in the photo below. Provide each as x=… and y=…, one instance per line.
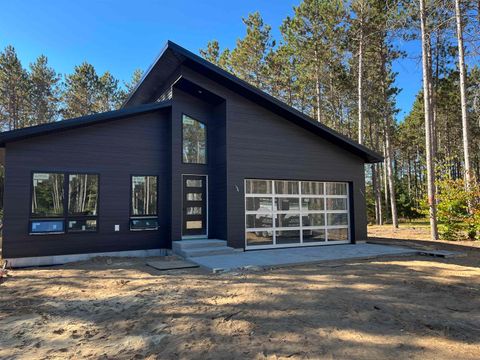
x=390, y=308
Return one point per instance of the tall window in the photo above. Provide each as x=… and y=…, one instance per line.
x=194, y=141
x=51, y=209
x=82, y=202
x=144, y=203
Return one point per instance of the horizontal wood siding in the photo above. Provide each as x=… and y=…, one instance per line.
x=261, y=144
x=114, y=150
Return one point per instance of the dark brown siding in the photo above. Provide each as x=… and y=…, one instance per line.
x=261, y=144
x=115, y=150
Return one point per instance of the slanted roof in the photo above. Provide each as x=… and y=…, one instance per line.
x=78, y=122
x=173, y=55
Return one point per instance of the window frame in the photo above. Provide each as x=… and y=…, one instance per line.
x=65, y=217
x=183, y=139
x=141, y=217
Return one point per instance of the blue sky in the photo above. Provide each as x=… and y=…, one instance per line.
x=122, y=35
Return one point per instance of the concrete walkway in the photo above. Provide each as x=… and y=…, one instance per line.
x=296, y=256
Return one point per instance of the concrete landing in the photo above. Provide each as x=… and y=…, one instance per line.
x=201, y=247
x=296, y=256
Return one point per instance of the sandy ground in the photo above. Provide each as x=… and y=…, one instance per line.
x=389, y=308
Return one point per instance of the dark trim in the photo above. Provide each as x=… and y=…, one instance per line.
x=31, y=215
x=195, y=62
x=66, y=216
x=43, y=129
x=206, y=140
x=205, y=205
x=351, y=210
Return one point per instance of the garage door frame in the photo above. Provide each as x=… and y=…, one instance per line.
x=301, y=211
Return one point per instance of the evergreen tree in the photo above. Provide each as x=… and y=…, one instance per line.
x=14, y=90
x=109, y=95
x=248, y=59
x=81, y=92
x=44, y=93
x=134, y=81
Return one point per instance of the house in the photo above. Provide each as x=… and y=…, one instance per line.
x=193, y=153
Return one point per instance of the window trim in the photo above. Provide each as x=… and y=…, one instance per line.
x=206, y=140
x=134, y=217
x=65, y=216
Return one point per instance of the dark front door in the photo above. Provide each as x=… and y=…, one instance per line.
x=194, y=205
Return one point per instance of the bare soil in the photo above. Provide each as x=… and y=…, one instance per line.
x=388, y=308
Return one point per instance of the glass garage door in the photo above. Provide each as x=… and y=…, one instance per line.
x=282, y=213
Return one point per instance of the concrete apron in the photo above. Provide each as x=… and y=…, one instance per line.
x=296, y=256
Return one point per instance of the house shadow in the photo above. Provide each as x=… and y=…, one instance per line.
x=375, y=308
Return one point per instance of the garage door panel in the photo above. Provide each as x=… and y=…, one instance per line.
x=281, y=213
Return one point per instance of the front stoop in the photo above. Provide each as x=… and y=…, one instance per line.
x=201, y=247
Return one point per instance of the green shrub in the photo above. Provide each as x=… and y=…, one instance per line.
x=455, y=219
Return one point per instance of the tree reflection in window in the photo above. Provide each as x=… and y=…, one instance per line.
x=144, y=195
x=194, y=141
x=82, y=194
x=47, y=195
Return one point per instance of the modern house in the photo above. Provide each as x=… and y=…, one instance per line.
x=193, y=153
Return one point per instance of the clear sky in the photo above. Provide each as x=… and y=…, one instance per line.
x=122, y=35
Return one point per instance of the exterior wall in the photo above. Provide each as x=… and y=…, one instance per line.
x=214, y=118
x=261, y=144
x=115, y=150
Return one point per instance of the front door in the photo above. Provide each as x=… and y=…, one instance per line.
x=194, y=205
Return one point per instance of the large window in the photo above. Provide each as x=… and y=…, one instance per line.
x=47, y=195
x=194, y=141
x=51, y=209
x=286, y=213
x=144, y=203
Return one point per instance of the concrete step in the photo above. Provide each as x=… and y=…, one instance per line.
x=205, y=251
x=197, y=243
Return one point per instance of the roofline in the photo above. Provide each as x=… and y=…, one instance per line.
x=146, y=73
x=362, y=151
x=82, y=121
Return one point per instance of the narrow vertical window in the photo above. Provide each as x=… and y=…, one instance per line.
x=194, y=141
x=82, y=202
x=144, y=203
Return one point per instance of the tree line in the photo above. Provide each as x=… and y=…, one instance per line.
x=334, y=62
x=38, y=94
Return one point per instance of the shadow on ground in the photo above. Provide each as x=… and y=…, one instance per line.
x=395, y=307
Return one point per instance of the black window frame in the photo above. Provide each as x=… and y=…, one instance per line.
x=143, y=217
x=65, y=217
x=183, y=139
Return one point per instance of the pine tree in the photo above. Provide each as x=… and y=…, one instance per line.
x=81, y=91
x=134, y=81
x=317, y=32
x=213, y=54
x=248, y=59
x=14, y=90
x=44, y=93
x=109, y=95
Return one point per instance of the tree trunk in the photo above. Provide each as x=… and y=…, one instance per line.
x=390, y=175
x=428, y=125
x=360, y=83
x=463, y=96
x=385, y=181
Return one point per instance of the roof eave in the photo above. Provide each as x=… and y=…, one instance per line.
x=68, y=124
